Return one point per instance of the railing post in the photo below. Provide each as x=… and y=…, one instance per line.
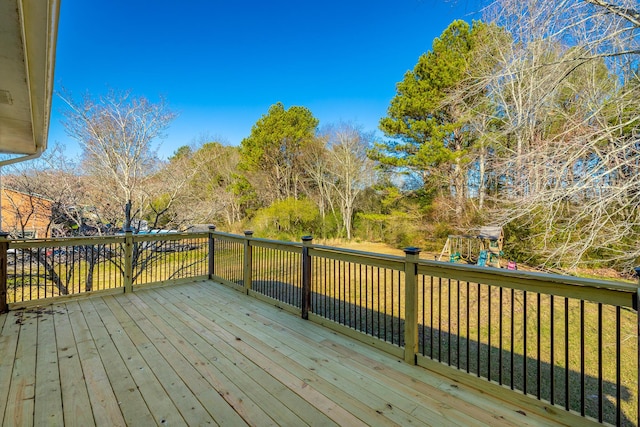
x=248, y=262
x=128, y=260
x=412, y=255
x=212, y=248
x=4, y=247
x=306, y=276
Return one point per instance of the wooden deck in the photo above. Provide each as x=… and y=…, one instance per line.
x=203, y=354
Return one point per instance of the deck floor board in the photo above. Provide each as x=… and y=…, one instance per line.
x=204, y=354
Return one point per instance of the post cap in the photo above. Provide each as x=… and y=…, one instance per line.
x=212, y=227
x=248, y=232
x=412, y=250
x=307, y=238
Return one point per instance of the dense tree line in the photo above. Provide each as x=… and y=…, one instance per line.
x=528, y=119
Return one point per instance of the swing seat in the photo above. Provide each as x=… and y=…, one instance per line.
x=482, y=259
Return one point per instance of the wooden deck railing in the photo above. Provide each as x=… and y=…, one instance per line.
x=37, y=270
x=561, y=346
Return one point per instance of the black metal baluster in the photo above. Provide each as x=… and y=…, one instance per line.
x=552, y=337
x=431, y=328
x=400, y=302
x=526, y=354
x=566, y=354
x=424, y=338
x=600, y=386
x=582, y=390
x=618, y=367
x=468, y=318
x=539, y=341
x=500, y=333
x=478, y=326
x=458, y=323
x=439, y=319
x=489, y=332
x=449, y=320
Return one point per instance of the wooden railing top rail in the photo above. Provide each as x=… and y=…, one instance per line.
x=64, y=241
x=275, y=244
x=262, y=242
x=393, y=262
x=599, y=291
x=229, y=235
x=168, y=236
x=99, y=240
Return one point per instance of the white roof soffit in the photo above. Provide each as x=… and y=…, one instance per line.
x=28, y=31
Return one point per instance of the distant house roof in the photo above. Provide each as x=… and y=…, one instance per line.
x=198, y=228
x=34, y=195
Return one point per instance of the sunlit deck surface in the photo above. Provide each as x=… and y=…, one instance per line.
x=204, y=354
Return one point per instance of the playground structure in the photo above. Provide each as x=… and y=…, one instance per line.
x=483, y=248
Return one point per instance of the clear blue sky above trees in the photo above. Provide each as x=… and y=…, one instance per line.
x=222, y=64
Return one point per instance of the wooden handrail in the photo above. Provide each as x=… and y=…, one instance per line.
x=602, y=291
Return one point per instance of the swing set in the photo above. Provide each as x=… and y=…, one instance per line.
x=483, y=248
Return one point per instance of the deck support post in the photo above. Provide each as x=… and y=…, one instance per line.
x=4, y=264
x=212, y=248
x=248, y=262
x=306, y=276
x=128, y=260
x=412, y=256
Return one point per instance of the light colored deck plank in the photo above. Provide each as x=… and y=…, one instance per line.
x=236, y=397
x=159, y=406
x=9, y=337
x=232, y=365
x=214, y=404
x=302, y=408
x=21, y=399
x=334, y=402
x=189, y=407
x=76, y=408
x=48, y=398
x=130, y=401
x=104, y=403
x=384, y=400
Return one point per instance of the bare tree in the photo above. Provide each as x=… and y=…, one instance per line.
x=316, y=162
x=566, y=156
x=193, y=186
x=116, y=133
x=350, y=171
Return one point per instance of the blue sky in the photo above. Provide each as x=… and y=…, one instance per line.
x=221, y=64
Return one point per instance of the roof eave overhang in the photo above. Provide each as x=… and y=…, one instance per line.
x=29, y=30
